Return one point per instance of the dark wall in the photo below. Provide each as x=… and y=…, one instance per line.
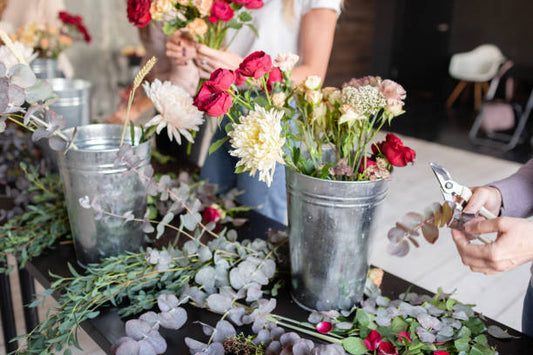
x=505, y=23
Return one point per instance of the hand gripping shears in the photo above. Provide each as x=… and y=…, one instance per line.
x=455, y=192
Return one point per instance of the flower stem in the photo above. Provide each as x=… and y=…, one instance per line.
x=305, y=331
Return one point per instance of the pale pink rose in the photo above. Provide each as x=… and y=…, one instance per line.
x=197, y=27
x=203, y=6
x=313, y=82
x=278, y=99
x=332, y=95
x=159, y=8
x=313, y=97
x=286, y=61
x=392, y=90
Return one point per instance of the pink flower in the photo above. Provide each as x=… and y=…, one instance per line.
x=404, y=335
x=372, y=340
x=220, y=11
x=392, y=90
x=211, y=214
x=324, y=327
x=273, y=77
x=254, y=4
x=386, y=348
x=366, y=80
x=254, y=66
x=222, y=79
x=440, y=352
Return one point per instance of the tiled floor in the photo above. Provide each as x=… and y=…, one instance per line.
x=413, y=188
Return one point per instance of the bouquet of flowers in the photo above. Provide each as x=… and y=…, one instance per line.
x=204, y=21
x=50, y=40
x=321, y=132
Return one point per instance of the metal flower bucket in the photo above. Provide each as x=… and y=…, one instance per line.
x=46, y=68
x=330, y=226
x=73, y=102
x=90, y=171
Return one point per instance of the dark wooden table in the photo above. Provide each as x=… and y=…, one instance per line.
x=108, y=327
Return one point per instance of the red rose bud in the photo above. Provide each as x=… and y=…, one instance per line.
x=386, y=348
x=211, y=214
x=440, y=352
x=368, y=161
x=139, y=12
x=69, y=19
x=255, y=65
x=212, y=101
x=274, y=76
x=404, y=335
x=324, y=327
x=220, y=11
x=395, y=152
x=222, y=79
x=372, y=340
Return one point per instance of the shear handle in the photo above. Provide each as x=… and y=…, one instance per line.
x=465, y=193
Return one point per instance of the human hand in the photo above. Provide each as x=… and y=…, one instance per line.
x=513, y=245
x=209, y=59
x=181, y=49
x=484, y=196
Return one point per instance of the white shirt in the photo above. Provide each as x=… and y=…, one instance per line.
x=276, y=34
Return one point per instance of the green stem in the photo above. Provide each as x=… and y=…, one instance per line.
x=305, y=331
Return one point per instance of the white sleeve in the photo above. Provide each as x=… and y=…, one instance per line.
x=321, y=4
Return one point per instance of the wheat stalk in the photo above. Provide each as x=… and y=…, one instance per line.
x=136, y=83
x=9, y=43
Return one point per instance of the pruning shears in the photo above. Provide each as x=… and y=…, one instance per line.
x=455, y=192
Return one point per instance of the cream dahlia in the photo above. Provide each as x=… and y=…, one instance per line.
x=258, y=143
x=175, y=110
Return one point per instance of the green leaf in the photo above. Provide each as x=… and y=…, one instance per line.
x=245, y=16
x=217, y=144
x=476, y=325
x=399, y=325
x=480, y=349
x=362, y=317
x=233, y=23
x=482, y=339
x=354, y=346
x=450, y=302
x=430, y=232
x=464, y=332
x=462, y=344
x=499, y=333
x=254, y=30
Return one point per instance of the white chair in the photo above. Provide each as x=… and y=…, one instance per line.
x=478, y=66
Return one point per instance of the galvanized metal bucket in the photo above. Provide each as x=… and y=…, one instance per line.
x=73, y=102
x=90, y=171
x=330, y=226
x=46, y=68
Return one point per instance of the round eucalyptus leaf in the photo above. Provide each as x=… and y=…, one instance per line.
x=223, y=330
x=22, y=75
x=56, y=143
x=218, y=303
x=41, y=91
x=127, y=346
x=174, y=319
x=16, y=95
x=3, y=69
x=159, y=344
x=137, y=329
x=167, y=301
x=146, y=348
x=151, y=318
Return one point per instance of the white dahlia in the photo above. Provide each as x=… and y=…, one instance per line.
x=175, y=110
x=257, y=141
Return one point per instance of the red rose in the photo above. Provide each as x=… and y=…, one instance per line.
x=211, y=214
x=386, y=348
x=372, y=340
x=369, y=162
x=440, y=352
x=250, y=4
x=69, y=19
x=254, y=66
x=212, y=101
x=273, y=77
x=254, y=4
x=220, y=11
x=84, y=32
x=395, y=152
x=404, y=335
x=222, y=79
x=139, y=12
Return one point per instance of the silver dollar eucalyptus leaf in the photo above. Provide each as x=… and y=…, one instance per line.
x=56, y=143
x=223, y=330
x=137, y=329
x=174, y=319
x=302, y=347
x=146, y=348
x=167, y=301
x=151, y=318
x=215, y=349
x=3, y=69
x=288, y=339
x=206, y=277
x=262, y=337
x=41, y=91
x=424, y=335
x=218, y=303
x=16, y=96
x=126, y=346
x=273, y=348
x=204, y=254
x=157, y=341
x=21, y=75
x=190, y=221
x=195, y=345
x=235, y=315
x=499, y=333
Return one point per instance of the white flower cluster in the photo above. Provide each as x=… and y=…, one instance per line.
x=175, y=108
x=258, y=143
x=360, y=102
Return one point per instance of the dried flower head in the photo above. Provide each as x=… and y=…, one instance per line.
x=176, y=110
x=366, y=100
x=258, y=142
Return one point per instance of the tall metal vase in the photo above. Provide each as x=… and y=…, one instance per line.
x=90, y=170
x=330, y=227
x=46, y=68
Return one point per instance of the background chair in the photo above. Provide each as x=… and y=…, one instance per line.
x=478, y=66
